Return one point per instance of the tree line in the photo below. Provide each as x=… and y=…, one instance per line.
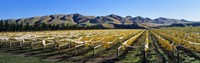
x=6, y=26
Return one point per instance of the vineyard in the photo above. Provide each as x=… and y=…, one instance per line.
x=163, y=45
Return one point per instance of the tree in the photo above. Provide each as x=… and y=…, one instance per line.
x=44, y=26
x=6, y=26
x=62, y=26
x=26, y=27
x=49, y=27
x=21, y=26
x=1, y=25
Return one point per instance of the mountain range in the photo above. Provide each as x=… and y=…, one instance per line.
x=108, y=21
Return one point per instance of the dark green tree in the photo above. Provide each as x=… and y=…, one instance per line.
x=1, y=25
x=7, y=26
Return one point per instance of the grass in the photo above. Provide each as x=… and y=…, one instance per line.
x=134, y=55
x=8, y=58
x=131, y=57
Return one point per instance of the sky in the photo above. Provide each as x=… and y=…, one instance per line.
x=178, y=9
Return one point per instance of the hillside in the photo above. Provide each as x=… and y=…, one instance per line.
x=108, y=21
x=185, y=24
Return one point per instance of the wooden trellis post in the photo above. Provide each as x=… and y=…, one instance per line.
x=144, y=58
x=69, y=45
x=10, y=44
x=176, y=50
x=74, y=48
x=178, y=58
x=55, y=44
x=20, y=44
x=59, y=48
x=84, y=46
x=44, y=44
x=1, y=45
x=117, y=53
x=32, y=48
x=93, y=51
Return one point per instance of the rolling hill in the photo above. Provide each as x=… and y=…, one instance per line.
x=108, y=21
